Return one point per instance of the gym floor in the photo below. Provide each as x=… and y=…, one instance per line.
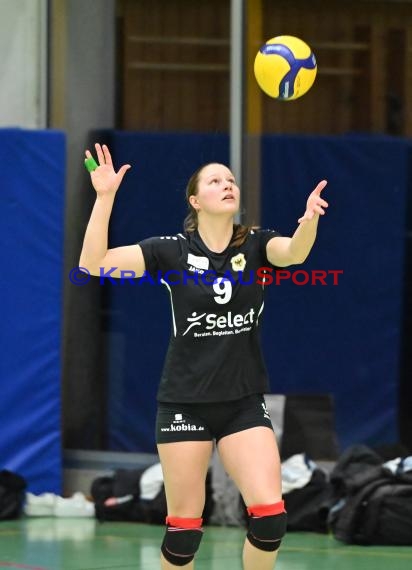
x=85, y=544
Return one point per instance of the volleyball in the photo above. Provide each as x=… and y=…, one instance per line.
x=285, y=68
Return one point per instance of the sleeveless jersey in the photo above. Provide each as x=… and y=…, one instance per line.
x=217, y=300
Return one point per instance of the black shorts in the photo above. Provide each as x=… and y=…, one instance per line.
x=205, y=422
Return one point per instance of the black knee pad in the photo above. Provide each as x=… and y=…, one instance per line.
x=181, y=541
x=266, y=531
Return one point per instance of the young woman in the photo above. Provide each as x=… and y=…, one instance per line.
x=214, y=377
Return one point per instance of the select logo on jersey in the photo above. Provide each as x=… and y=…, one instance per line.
x=180, y=424
x=210, y=324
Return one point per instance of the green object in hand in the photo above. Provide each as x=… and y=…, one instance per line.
x=90, y=164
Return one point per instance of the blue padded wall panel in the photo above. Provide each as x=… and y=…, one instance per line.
x=344, y=339
x=31, y=254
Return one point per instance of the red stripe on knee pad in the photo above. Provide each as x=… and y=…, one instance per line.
x=183, y=522
x=266, y=510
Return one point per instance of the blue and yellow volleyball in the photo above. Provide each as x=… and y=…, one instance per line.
x=285, y=68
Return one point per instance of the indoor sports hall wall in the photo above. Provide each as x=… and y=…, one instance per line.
x=31, y=297
x=343, y=339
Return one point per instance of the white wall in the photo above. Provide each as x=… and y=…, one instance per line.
x=23, y=61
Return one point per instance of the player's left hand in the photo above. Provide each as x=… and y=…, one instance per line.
x=315, y=204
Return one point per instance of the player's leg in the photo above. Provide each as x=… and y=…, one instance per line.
x=251, y=458
x=184, y=466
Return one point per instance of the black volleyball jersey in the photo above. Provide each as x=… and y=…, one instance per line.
x=216, y=300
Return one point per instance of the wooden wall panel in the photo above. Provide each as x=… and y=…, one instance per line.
x=359, y=45
x=175, y=66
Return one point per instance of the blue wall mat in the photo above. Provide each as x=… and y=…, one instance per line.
x=31, y=256
x=151, y=202
x=344, y=339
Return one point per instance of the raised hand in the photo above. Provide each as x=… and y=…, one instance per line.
x=104, y=178
x=315, y=203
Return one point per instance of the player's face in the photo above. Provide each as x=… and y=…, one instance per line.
x=217, y=192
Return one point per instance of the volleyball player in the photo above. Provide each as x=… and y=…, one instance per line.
x=214, y=376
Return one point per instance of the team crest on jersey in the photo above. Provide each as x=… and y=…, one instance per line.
x=238, y=262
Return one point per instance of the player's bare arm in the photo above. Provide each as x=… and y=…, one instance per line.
x=284, y=251
x=95, y=255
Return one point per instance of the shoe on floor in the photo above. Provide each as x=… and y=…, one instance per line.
x=75, y=506
x=39, y=505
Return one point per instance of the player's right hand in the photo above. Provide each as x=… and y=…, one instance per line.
x=104, y=178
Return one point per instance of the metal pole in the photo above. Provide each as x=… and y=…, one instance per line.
x=237, y=91
x=43, y=43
